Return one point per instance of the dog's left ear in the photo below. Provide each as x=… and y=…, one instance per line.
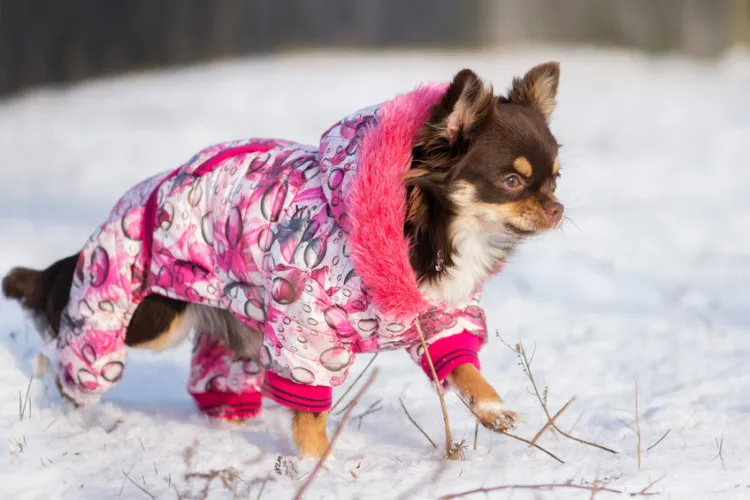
x=448, y=131
x=538, y=88
x=471, y=103
x=465, y=104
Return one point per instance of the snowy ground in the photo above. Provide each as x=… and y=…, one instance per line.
x=650, y=282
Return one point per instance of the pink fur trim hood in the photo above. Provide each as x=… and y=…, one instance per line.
x=374, y=211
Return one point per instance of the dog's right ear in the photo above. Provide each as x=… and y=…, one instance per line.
x=465, y=104
x=538, y=88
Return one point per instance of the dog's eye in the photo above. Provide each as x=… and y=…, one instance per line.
x=513, y=182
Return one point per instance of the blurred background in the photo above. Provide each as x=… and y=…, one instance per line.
x=54, y=41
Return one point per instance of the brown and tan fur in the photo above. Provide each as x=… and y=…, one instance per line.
x=482, y=179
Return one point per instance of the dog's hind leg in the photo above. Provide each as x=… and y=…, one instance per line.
x=223, y=385
x=158, y=323
x=309, y=433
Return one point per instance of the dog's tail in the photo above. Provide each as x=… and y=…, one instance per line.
x=43, y=293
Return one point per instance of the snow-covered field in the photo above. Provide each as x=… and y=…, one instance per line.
x=649, y=282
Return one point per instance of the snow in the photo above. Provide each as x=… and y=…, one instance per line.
x=649, y=281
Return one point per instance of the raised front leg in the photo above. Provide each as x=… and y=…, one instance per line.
x=309, y=433
x=482, y=398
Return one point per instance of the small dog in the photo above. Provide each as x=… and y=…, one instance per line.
x=286, y=260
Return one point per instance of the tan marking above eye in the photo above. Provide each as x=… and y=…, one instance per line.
x=555, y=167
x=523, y=166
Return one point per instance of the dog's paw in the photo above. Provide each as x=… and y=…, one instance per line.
x=494, y=416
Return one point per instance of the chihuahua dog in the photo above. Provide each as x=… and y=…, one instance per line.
x=286, y=260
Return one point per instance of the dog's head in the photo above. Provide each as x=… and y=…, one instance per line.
x=495, y=154
x=487, y=163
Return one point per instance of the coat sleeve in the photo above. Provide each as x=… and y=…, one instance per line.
x=308, y=342
x=91, y=342
x=454, y=337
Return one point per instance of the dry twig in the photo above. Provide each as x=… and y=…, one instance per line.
x=352, y=384
x=551, y=486
x=526, y=364
x=720, y=454
x=137, y=485
x=374, y=408
x=650, y=485
x=551, y=421
x=513, y=436
x=637, y=427
x=451, y=452
x=658, y=440
x=335, y=435
x=595, y=487
x=25, y=401
x=416, y=424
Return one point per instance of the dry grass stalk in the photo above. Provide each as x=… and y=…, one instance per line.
x=552, y=486
x=658, y=440
x=526, y=364
x=637, y=427
x=720, y=454
x=25, y=401
x=417, y=425
x=452, y=452
x=228, y=477
x=513, y=436
x=352, y=384
x=650, y=485
x=551, y=421
x=595, y=488
x=476, y=436
x=335, y=435
x=137, y=485
x=374, y=408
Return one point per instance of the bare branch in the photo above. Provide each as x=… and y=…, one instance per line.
x=551, y=421
x=551, y=486
x=521, y=353
x=335, y=436
x=417, y=425
x=451, y=452
x=513, y=436
x=650, y=485
x=353, y=384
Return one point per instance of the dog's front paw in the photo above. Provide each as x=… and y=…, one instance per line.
x=494, y=416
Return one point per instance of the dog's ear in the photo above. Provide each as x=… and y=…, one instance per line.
x=538, y=88
x=463, y=106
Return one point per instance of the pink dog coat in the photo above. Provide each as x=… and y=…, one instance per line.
x=302, y=243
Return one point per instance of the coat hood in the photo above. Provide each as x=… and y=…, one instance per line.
x=363, y=161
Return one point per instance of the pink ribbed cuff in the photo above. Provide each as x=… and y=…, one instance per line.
x=312, y=398
x=450, y=352
x=229, y=405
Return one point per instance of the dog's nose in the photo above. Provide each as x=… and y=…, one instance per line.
x=554, y=211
